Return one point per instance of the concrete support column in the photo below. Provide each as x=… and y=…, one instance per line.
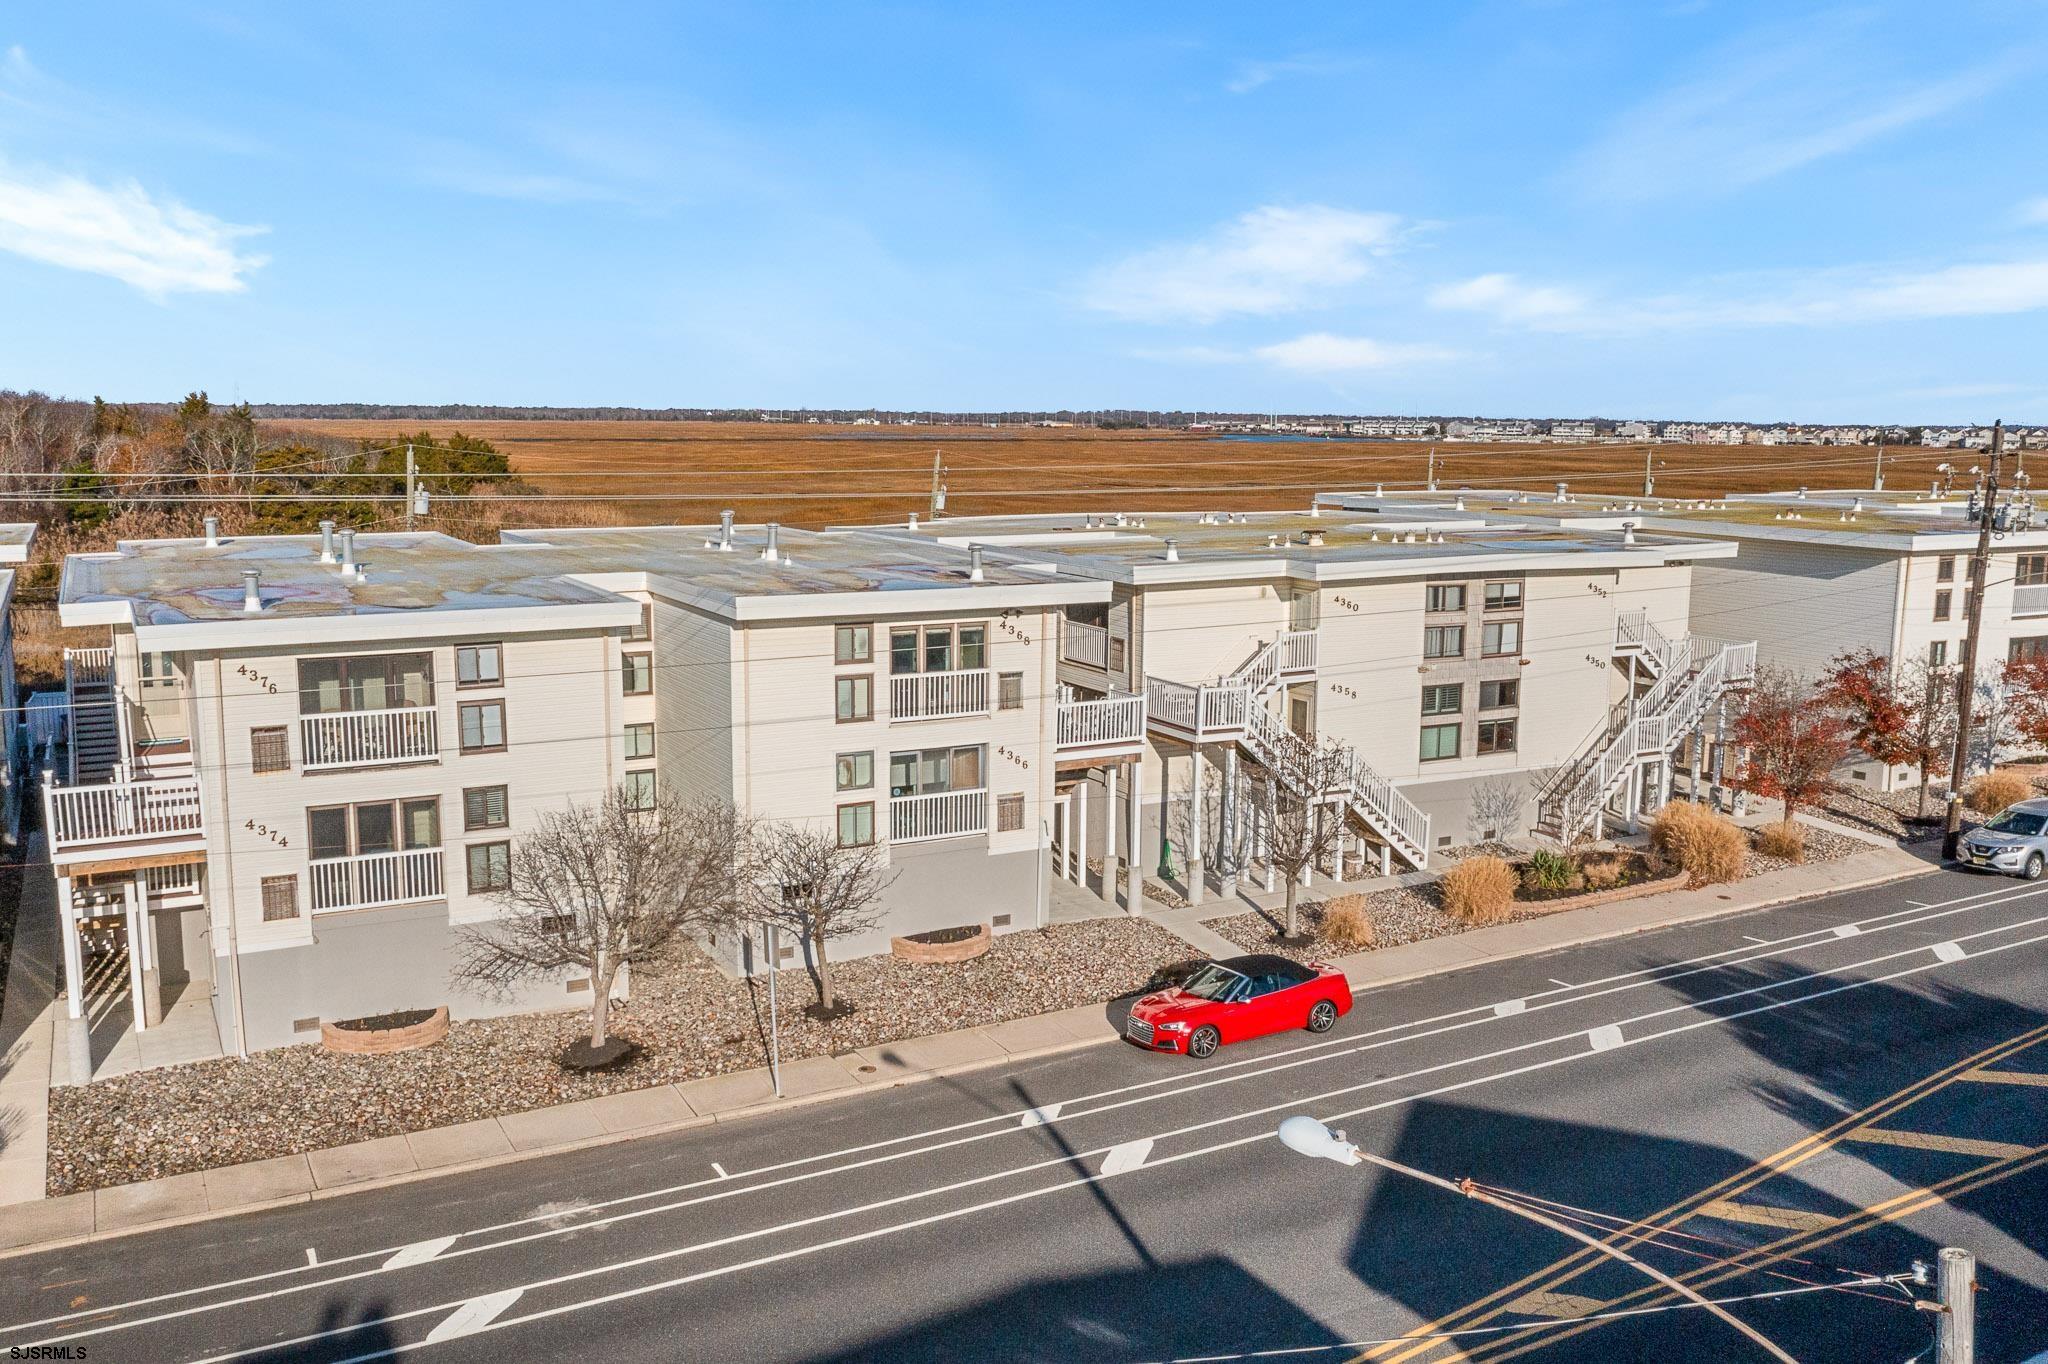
x=1196, y=871
x=1232, y=805
x=1272, y=819
x=1386, y=859
x=1134, y=842
x=1720, y=749
x=1078, y=821
x=1664, y=777
x=1699, y=742
x=74, y=951
x=1109, y=836
x=152, y=968
x=1059, y=837
x=136, y=991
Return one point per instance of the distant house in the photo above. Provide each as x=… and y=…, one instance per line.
x=1393, y=428
x=1636, y=431
x=1574, y=430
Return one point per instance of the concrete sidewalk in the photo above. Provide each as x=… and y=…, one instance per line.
x=28, y=1033
x=665, y=1108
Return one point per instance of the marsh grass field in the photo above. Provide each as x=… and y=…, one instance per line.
x=805, y=475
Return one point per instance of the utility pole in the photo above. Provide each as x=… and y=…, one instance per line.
x=1432, y=468
x=1649, y=479
x=412, y=478
x=1987, y=506
x=933, y=513
x=1877, y=484
x=1955, y=1330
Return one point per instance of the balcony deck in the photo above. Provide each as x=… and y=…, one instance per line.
x=137, y=823
x=1109, y=727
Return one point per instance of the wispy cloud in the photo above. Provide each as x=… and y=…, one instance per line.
x=1321, y=354
x=1510, y=300
x=1253, y=75
x=1776, y=100
x=1820, y=298
x=1271, y=260
x=156, y=244
x=2035, y=211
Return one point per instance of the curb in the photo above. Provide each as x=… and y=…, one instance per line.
x=913, y=1077
x=515, y=1157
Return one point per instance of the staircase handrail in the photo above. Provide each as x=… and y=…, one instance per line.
x=1377, y=796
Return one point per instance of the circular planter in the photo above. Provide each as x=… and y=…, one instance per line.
x=944, y=945
x=406, y=1032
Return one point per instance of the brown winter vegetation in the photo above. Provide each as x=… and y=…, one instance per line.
x=1784, y=839
x=807, y=475
x=1479, y=890
x=1346, y=924
x=1707, y=844
x=1994, y=791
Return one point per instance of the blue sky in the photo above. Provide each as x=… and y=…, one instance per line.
x=1690, y=209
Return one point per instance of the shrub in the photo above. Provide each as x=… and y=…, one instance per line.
x=1479, y=890
x=1784, y=839
x=1706, y=844
x=1550, y=871
x=1347, y=924
x=1994, y=791
x=1602, y=872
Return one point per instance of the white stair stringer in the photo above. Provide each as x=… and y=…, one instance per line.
x=1695, y=672
x=1366, y=795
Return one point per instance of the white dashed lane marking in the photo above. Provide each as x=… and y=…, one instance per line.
x=1040, y=1116
x=1949, y=951
x=473, y=1315
x=1509, y=1007
x=419, y=1252
x=1846, y=930
x=1129, y=1156
x=1605, y=1039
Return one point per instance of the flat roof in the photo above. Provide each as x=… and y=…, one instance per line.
x=186, y=593
x=1889, y=520
x=16, y=538
x=814, y=573
x=1312, y=546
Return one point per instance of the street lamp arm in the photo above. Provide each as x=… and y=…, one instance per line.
x=1311, y=1138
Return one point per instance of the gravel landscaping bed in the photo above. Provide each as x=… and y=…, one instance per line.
x=690, y=1020
x=1822, y=845
x=1413, y=913
x=1885, y=812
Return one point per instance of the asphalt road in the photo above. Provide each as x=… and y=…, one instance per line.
x=1789, y=1099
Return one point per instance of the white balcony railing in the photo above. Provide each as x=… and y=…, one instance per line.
x=1298, y=651
x=84, y=666
x=1100, y=724
x=372, y=879
x=122, y=812
x=939, y=696
x=2030, y=599
x=942, y=814
x=1200, y=710
x=367, y=738
x=1091, y=646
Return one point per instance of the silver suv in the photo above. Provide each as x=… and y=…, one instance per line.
x=2014, y=841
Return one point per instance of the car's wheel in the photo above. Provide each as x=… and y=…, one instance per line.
x=2032, y=871
x=1323, y=1017
x=1202, y=1042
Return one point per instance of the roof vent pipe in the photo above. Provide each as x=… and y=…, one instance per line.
x=974, y=573
x=326, y=542
x=1562, y=494
x=772, y=551
x=913, y=520
x=725, y=530
x=212, y=532
x=1379, y=490
x=1172, y=551
x=252, y=595
x=348, y=553
x=1628, y=532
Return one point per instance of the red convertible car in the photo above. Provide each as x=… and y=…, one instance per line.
x=1240, y=997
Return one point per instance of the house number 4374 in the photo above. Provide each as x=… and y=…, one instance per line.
x=276, y=836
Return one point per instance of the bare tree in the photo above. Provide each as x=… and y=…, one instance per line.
x=1496, y=807
x=806, y=882
x=1304, y=822
x=600, y=886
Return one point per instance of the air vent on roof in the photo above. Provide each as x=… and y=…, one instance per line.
x=212, y=524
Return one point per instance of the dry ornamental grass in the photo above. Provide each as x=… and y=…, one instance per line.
x=1479, y=890
x=1705, y=843
x=1346, y=924
x=1994, y=791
